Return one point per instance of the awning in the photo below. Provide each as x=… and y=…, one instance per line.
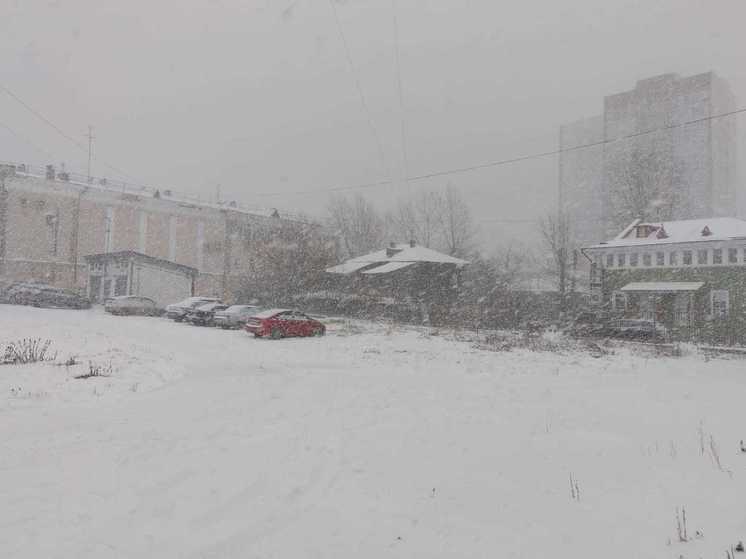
x=348, y=267
x=662, y=286
x=390, y=267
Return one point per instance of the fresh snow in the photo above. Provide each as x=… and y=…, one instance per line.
x=682, y=231
x=374, y=441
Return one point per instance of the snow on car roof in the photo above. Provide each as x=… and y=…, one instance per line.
x=237, y=308
x=269, y=313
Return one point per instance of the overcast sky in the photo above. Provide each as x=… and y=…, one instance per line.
x=258, y=97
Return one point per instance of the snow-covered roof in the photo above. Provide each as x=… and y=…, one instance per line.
x=684, y=231
x=348, y=267
x=139, y=257
x=663, y=286
x=403, y=252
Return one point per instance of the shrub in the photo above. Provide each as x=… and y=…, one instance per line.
x=27, y=350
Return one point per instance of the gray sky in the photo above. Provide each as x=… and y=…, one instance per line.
x=257, y=95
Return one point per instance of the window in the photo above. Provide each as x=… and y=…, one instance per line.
x=673, y=258
x=702, y=257
x=621, y=259
x=646, y=259
x=109, y=231
x=687, y=257
x=732, y=255
x=660, y=259
x=609, y=260
x=619, y=301
x=719, y=303
x=633, y=259
x=120, y=287
x=681, y=309
x=142, y=233
x=717, y=256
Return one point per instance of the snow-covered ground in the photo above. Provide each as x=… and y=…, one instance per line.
x=370, y=442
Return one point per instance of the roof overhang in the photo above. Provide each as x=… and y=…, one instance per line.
x=662, y=286
x=389, y=267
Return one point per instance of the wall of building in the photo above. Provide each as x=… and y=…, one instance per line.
x=162, y=285
x=51, y=225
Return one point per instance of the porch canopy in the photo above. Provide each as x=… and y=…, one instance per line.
x=662, y=286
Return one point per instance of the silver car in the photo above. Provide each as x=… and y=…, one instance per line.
x=235, y=316
x=178, y=311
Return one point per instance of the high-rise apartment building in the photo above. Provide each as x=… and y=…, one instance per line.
x=657, y=154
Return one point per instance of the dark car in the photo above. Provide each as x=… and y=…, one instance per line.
x=178, y=311
x=132, y=304
x=282, y=323
x=588, y=324
x=638, y=329
x=42, y=295
x=235, y=316
x=204, y=314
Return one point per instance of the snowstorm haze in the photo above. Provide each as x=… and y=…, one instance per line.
x=258, y=97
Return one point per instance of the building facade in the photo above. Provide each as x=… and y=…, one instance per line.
x=689, y=276
x=657, y=156
x=113, y=274
x=48, y=224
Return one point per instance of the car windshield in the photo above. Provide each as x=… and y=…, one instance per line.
x=238, y=309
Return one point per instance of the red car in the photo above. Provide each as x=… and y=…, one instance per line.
x=281, y=323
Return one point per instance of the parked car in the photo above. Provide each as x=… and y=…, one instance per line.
x=638, y=329
x=588, y=324
x=178, y=311
x=132, y=304
x=235, y=316
x=204, y=314
x=281, y=323
x=42, y=295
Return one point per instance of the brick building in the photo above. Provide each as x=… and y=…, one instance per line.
x=49, y=223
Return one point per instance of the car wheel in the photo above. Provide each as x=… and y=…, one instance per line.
x=276, y=334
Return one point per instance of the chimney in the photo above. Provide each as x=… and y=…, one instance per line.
x=392, y=250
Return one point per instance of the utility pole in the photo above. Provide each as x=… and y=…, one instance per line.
x=90, y=150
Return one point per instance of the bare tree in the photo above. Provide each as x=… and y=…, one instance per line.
x=357, y=223
x=642, y=186
x=418, y=219
x=456, y=225
x=289, y=261
x=557, y=241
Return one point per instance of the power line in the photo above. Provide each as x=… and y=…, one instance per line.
x=400, y=91
x=359, y=88
x=61, y=132
x=26, y=140
x=518, y=159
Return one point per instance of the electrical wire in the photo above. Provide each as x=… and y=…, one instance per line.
x=518, y=159
x=359, y=88
x=62, y=133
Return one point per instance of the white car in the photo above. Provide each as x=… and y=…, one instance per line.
x=235, y=316
x=132, y=304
